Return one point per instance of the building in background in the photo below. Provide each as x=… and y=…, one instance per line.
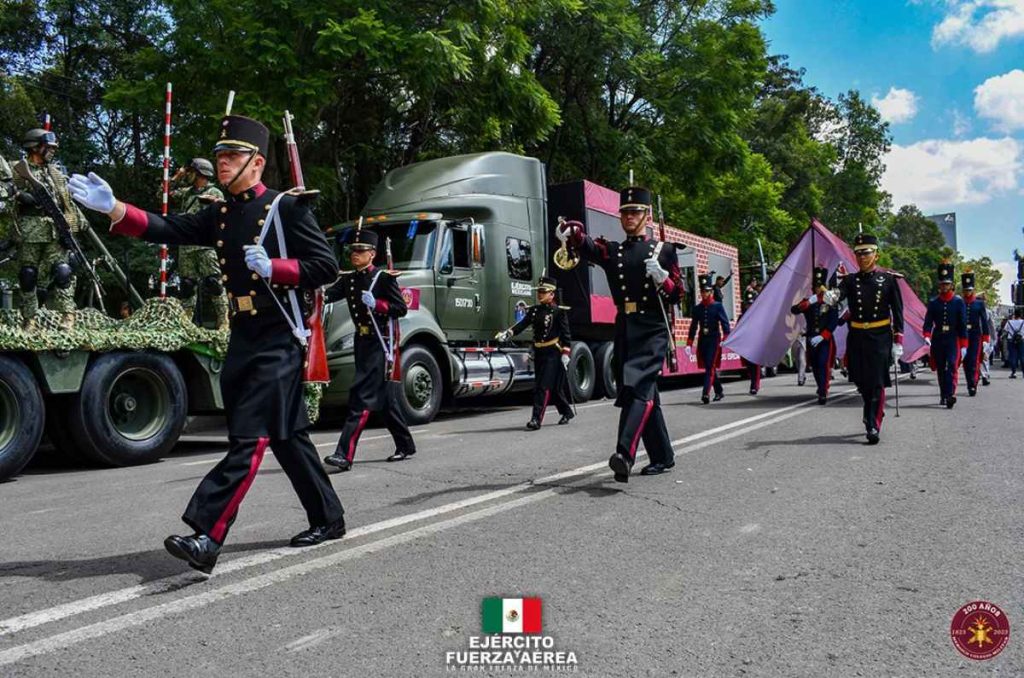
x=947, y=224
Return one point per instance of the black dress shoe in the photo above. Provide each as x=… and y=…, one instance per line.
x=704, y=399
x=399, y=455
x=822, y=399
x=319, y=534
x=972, y=392
x=950, y=401
x=338, y=461
x=718, y=396
x=872, y=436
x=653, y=470
x=532, y=425
x=566, y=418
x=753, y=391
x=984, y=381
x=199, y=551
x=942, y=402
x=620, y=466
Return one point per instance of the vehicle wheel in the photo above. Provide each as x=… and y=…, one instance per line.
x=22, y=413
x=605, y=373
x=422, y=387
x=131, y=408
x=582, y=372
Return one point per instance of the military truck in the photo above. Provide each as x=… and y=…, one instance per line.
x=112, y=392
x=471, y=234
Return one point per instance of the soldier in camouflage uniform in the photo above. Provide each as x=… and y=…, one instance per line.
x=197, y=266
x=42, y=261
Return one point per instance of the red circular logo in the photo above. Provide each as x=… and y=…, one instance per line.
x=980, y=630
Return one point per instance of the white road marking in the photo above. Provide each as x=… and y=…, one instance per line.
x=306, y=642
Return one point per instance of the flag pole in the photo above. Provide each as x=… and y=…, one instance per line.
x=166, y=188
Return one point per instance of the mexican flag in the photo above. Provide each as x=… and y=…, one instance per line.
x=511, y=615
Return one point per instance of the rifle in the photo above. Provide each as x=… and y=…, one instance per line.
x=51, y=209
x=395, y=370
x=670, y=314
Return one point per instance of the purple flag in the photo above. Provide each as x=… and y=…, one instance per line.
x=768, y=328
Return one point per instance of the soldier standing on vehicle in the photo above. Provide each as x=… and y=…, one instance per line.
x=263, y=371
x=42, y=260
x=551, y=348
x=644, y=276
x=373, y=297
x=875, y=338
x=198, y=267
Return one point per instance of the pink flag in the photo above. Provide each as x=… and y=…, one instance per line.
x=768, y=328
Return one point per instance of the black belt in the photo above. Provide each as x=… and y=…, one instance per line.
x=249, y=304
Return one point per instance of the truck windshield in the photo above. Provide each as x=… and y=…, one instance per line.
x=412, y=244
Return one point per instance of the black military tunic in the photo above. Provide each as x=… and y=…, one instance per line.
x=262, y=378
x=551, y=340
x=371, y=390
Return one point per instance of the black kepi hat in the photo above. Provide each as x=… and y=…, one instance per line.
x=634, y=199
x=238, y=133
x=865, y=241
x=820, y=277
x=547, y=284
x=967, y=280
x=364, y=240
x=945, y=271
x=707, y=282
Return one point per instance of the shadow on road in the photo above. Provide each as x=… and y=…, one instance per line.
x=816, y=440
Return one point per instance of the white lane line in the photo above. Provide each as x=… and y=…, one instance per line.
x=58, y=612
x=132, y=619
x=312, y=640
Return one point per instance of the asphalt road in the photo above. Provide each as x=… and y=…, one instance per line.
x=780, y=545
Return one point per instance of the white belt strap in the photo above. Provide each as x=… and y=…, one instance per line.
x=295, y=320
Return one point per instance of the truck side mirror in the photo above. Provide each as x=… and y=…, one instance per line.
x=477, y=245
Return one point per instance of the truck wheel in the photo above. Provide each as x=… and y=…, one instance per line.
x=605, y=372
x=131, y=408
x=21, y=416
x=582, y=372
x=422, y=388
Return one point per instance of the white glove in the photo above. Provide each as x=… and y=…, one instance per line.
x=257, y=261
x=562, y=233
x=928, y=341
x=963, y=353
x=565, y=360
x=817, y=339
x=897, y=351
x=689, y=351
x=830, y=297
x=655, y=271
x=984, y=347
x=503, y=335
x=811, y=299
x=92, y=192
x=369, y=299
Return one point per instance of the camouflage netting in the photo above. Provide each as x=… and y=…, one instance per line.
x=161, y=324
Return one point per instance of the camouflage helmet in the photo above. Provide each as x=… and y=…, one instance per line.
x=202, y=166
x=36, y=136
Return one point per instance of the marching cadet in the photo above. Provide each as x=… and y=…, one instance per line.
x=262, y=377
x=821, y=320
x=374, y=299
x=197, y=266
x=947, y=315
x=754, y=370
x=875, y=338
x=986, y=358
x=1015, y=343
x=551, y=347
x=709, y=317
x=643, y=275
x=42, y=260
x=978, y=334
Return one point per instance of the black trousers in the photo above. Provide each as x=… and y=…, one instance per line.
x=214, y=505
x=874, y=407
x=643, y=420
x=550, y=385
x=394, y=420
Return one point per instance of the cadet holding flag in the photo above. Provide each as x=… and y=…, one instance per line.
x=978, y=334
x=709, y=317
x=947, y=316
x=821, y=322
x=749, y=295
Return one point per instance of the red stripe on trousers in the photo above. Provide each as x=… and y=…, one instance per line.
x=828, y=365
x=547, y=397
x=354, y=440
x=640, y=430
x=881, y=411
x=220, y=528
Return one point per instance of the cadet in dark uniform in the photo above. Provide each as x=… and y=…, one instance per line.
x=947, y=316
x=643, y=275
x=709, y=317
x=551, y=347
x=754, y=370
x=978, y=334
x=821, y=322
x=876, y=329
x=263, y=371
x=374, y=298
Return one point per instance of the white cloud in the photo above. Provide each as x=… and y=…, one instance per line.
x=939, y=174
x=980, y=24
x=1001, y=99
x=899, y=105
x=1009, y=271
x=961, y=124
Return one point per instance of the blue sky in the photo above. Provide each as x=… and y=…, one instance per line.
x=949, y=76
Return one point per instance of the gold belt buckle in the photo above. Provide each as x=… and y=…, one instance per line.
x=243, y=303
x=630, y=307
x=704, y=330
x=945, y=328
x=364, y=330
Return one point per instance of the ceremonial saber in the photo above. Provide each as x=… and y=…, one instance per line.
x=163, y=207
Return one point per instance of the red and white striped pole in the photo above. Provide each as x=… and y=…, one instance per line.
x=167, y=188
x=47, y=125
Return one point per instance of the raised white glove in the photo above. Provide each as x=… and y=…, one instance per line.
x=830, y=297
x=655, y=271
x=963, y=352
x=369, y=299
x=565, y=360
x=257, y=261
x=928, y=340
x=563, y=231
x=897, y=351
x=817, y=339
x=92, y=192
x=503, y=335
x=689, y=351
